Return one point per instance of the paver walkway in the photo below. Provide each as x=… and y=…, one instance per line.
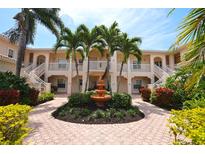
x=48, y=130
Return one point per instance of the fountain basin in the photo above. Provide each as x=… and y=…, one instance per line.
x=100, y=100
x=100, y=97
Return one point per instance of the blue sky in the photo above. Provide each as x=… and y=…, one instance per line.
x=157, y=30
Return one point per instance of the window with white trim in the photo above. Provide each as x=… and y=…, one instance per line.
x=137, y=84
x=61, y=83
x=11, y=53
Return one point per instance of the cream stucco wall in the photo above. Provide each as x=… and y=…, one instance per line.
x=129, y=76
x=7, y=66
x=123, y=85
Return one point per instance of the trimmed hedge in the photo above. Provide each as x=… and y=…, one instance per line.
x=46, y=96
x=120, y=101
x=191, y=104
x=13, y=121
x=80, y=99
x=189, y=124
x=9, y=96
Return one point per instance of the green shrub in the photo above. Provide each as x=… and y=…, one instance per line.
x=133, y=111
x=119, y=115
x=10, y=81
x=98, y=114
x=85, y=112
x=191, y=104
x=120, y=101
x=177, y=86
x=79, y=99
x=188, y=126
x=13, y=121
x=33, y=97
x=46, y=96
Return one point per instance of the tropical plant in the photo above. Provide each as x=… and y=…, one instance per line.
x=188, y=126
x=111, y=37
x=92, y=41
x=128, y=47
x=73, y=44
x=192, y=34
x=25, y=29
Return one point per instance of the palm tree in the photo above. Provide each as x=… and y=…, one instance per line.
x=192, y=34
x=128, y=47
x=92, y=41
x=25, y=29
x=111, y=36
x=73, y=44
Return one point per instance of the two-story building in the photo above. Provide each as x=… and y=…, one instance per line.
x=45, y=68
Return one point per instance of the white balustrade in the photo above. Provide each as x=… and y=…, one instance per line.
x=140, y=67
x=124, y=69
x=98, y=65
x=58, y=66
x=80, y=67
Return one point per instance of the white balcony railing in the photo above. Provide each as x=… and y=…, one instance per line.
x=98, y=65
x=140, y=67
x=58, y=67
x=80, y=67
x=124, y=67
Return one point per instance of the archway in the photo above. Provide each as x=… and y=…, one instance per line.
x=41, y=59
x=158, y=61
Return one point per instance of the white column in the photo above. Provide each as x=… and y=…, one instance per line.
x=113, y=73
x=171, y=61
x=163, y=61
x=84, y=75
x=69, y=87
x=152, y=69
x=129, y=82
x=35, y=59
x=46, y=66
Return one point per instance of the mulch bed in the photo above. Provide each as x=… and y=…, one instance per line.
x=84, y=120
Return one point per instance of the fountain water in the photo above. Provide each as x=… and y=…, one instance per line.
x=100, y=97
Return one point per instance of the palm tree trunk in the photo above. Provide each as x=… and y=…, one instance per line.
x=108, y=73
x=21, y=52
x=87, y=78
x=77, y=72
x=119, y=80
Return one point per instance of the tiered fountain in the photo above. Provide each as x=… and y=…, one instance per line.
x=100, y=97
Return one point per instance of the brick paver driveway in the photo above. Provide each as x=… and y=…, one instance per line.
x=47, y=130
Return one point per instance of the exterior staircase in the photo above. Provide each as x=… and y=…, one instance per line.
x=33, y=74
x=162, y=74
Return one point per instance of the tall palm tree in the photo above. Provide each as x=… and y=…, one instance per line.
x=73, y=44
x=192, y=34
x=111, y=36
x=128, y=47
x=25, y=29
x=92, y=41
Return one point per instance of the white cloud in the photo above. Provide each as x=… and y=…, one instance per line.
x=151, y=24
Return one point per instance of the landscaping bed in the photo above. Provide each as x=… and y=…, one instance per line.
x=81, y=109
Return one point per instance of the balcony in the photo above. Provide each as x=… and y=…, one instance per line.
x=98, y=65
x=80, y=67
x=124, y=69
x=140, y=68
x=58, y=67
